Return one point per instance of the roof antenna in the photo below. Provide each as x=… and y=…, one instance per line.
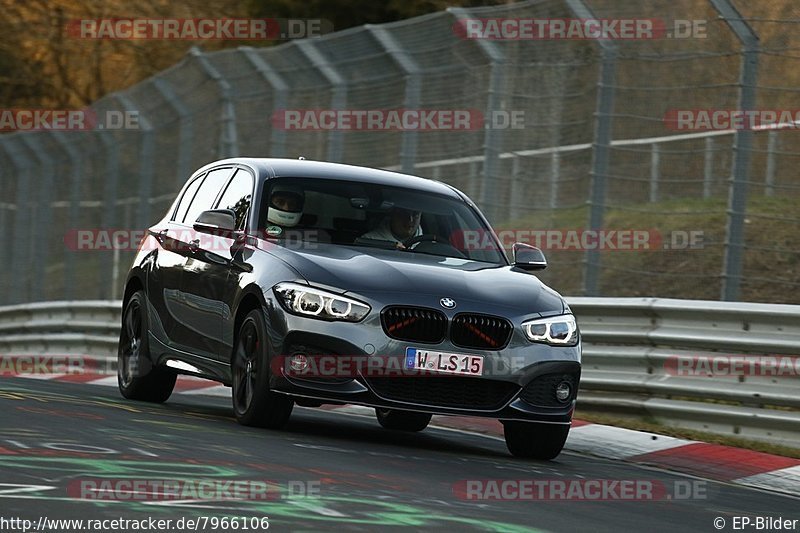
x=301, y=158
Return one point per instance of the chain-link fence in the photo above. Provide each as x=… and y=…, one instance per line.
x=718, y=209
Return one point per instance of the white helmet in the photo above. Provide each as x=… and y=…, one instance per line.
x=280, y=214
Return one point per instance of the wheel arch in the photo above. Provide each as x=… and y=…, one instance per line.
x=133, y=284
x=252, y=298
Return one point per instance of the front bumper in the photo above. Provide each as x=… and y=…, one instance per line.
x=362, y=391
x=510, y=389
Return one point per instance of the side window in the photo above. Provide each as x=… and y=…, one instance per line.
x=238, y=196
x=206, y=195
x=186, y=199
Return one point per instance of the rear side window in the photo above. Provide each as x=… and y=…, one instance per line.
x=237, y=196
x=186, y=199
x=206, y=195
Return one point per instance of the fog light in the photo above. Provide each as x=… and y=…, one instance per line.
x=563, y=391
x=299, y=363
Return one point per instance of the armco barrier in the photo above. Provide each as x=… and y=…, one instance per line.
x=84, y=327
x=630, y=348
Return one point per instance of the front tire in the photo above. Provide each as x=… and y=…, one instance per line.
x=532, y=440
x=254, y=404
x=133, y=358
x=402, y=420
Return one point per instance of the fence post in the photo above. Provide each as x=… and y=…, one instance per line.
x=516, y=188
x=655, y=171
x=228, y=138
x=413, y=90
x=338, y=93
x=708, y=168
x=145, y=161
x=76, y=165
x=743, y=144
x=489, y=197
x=109, y=218
x=493, y=137
x=600, y=163
x=279, y=101
x=20, y=262
x=185, y=130
x=601, y=146
x=5, y=225
x=772, y=146
x=555, y=172
x=474, y=183
x=41, y=223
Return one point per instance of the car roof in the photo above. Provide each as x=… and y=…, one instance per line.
x=279, y=168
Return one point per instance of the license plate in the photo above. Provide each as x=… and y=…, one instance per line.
x=445, y=363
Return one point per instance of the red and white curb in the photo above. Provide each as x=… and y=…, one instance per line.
x=711, y=461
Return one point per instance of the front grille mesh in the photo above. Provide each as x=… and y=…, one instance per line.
x=456, y=391
x=414, y=324
x=480, y=331
x=417, y=324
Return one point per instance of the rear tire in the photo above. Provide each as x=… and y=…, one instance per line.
x=532, y=440
x=254, y=404
x=402, y=420
x=133, y=357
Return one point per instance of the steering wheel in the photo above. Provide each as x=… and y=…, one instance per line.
x=432, y=237
x=425, y=237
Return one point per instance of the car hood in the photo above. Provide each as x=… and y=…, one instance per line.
x=372, y=271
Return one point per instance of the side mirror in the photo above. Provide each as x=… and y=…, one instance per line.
x=216, y=221
x=528, y=257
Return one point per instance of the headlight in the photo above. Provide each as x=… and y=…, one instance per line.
x=308, y=301
x=556, y=331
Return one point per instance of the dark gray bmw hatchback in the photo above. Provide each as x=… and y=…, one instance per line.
x=295, y=281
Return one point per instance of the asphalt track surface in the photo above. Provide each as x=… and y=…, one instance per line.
x=363, y=478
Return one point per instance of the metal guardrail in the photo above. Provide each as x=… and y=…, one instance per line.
x=85, y=327
x=631, y=364
x=631, y=353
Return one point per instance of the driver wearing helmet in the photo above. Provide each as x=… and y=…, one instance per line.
x=284, y=214
x=285, y=206
x=399, y=226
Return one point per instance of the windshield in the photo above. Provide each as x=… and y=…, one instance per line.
x=313, y=210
